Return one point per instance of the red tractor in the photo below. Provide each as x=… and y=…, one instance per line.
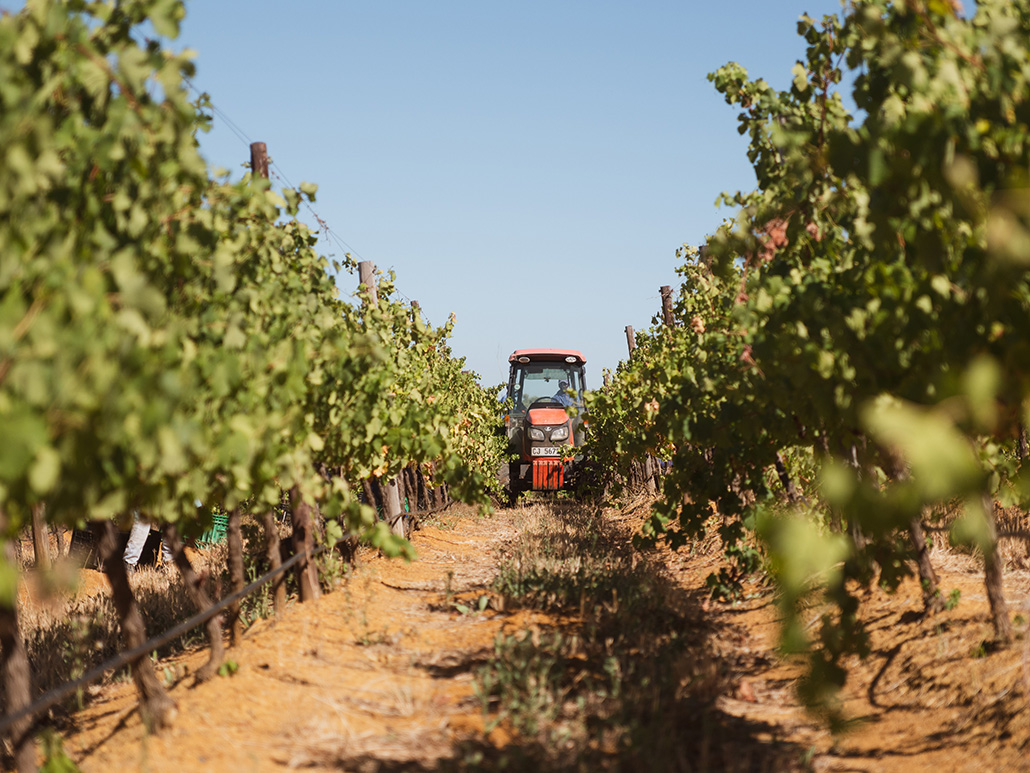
x=544, y=438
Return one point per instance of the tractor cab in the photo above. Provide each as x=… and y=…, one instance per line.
x=542, y=384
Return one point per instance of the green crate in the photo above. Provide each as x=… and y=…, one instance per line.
x=216, y=533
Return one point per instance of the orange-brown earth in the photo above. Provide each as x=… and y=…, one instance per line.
x=380, y=675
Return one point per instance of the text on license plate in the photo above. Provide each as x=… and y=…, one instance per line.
x=545, y=451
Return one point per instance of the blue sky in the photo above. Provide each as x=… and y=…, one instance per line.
x=531, y=167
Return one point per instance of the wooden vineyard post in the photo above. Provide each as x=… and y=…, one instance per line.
x=653, y=467
x=393, y=498
x=15, y=672
x=40, y=536
x=259, y=159
x=367, y=280
x=259, y=168
x=304, y=543
x=644, y=467
x=667, y=318
x=234, y=541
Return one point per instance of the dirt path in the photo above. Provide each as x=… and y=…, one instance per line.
x=380, y=669
x=933, y=695
x=380, y=675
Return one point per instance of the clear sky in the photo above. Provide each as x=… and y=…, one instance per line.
x=531, y=166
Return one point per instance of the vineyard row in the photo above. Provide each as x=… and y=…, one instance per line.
x=169, y=337
x=845, y=368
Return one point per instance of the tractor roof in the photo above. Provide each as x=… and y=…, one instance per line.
x=548, y=355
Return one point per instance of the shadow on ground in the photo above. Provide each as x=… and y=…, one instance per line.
x=623, y=677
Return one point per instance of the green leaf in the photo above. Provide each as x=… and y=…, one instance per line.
x=941, y=457
x=8, y=584
x=981, y=383
x=972, y=527
x=802, y=554
x=800, y=77
x=333, y=532
x=45, y=470
x=166, y=15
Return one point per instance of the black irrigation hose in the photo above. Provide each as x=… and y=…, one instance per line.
x=417, y=515
x=57, y=694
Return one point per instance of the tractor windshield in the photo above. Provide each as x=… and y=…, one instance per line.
x=534, y=381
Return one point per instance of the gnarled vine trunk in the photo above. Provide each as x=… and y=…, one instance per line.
x=14, y=668
x=234, y=541
x=785, y=480
x=933, y=602
x=304, y=543
x=156, y=707
x=200, y=599
x=993, y=579
x=274, y=556
x=40, y=536
x=420, y=482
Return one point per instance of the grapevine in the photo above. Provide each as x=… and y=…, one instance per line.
x=169, y=338
x=862, y=311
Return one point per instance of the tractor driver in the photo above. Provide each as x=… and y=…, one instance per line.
x=561, y=396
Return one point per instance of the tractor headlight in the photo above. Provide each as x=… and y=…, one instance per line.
x=562, y=433
x=536, y=434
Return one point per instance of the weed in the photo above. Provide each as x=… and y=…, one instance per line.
x=613, y=686
x=448, y=589
x=55, y=758
x=371, y=638
x=527, y=681
x=332, y=570
x=258, y=605
x=68, y=637
x=173, y=673
x=465, y=609
x=953, y=598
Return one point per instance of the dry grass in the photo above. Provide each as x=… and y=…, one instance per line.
x=70, y=628
x=611, y=684
x=625, y=678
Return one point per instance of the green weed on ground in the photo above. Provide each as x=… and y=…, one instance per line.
x=625, y=681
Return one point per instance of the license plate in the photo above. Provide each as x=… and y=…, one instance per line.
x=545, y=451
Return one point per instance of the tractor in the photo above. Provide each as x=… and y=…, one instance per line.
x=543, y=437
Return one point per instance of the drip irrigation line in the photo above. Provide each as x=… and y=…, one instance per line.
x=433, y=510
x=57, y=694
